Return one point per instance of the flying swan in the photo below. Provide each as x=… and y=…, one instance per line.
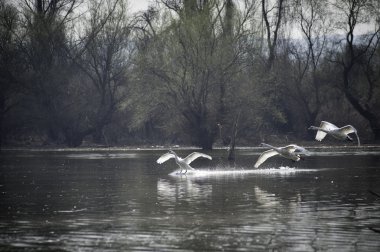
x=292, y=152
x=183, y=163
x=327, y=128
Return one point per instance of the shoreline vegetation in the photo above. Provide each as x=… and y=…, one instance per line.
x=197, y=73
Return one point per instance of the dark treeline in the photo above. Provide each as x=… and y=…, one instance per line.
x=75, y=72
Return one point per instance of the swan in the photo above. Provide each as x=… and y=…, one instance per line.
x=327, y=128
x=183, y=163
x=291, y=151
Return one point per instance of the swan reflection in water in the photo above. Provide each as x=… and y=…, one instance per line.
x=170, y=190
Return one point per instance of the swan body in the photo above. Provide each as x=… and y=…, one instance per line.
x=183, y=163
x=342, y=133
x=292, y=152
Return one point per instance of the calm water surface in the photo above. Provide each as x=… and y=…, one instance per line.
x=121, y=200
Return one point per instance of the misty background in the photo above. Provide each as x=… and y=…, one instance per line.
x=190, y=72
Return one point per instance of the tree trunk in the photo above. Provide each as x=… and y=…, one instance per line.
x=205, y=139
x=98, y=136
x=372, y=118
x=231, y=150
x=74, y=138
x=272, y=41
x=1, y=132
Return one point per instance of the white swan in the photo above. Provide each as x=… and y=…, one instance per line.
x=327, y=128
x=183, y=163
x=292, y=152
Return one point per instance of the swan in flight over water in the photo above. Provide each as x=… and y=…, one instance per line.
x=292, y=152
x=327, y=128
x=183, y=163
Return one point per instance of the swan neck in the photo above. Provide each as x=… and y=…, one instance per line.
x=175, y=156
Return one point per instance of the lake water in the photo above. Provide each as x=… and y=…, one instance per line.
x=121, y=200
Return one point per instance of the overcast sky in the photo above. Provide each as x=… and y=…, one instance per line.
x=138, y=5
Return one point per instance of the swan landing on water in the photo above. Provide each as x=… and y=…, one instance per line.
x=292, y=152
x=183, y=163
x=327, y=128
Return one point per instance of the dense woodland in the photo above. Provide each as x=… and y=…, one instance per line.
x=191, y=72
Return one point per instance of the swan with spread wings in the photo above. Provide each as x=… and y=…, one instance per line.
x=327, y=128
x=292, y=152
x=183, y=163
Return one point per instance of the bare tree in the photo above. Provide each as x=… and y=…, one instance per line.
x=44, y=46
x=11, y=65
x=313, y=22
x=273, y=15
x=105, y=61
x=354, y=51
x=194, y=62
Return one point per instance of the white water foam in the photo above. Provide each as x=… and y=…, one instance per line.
x=72, y=211
x=282, y=170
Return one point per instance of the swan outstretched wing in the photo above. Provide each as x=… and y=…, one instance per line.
x=348, y=129
x=326, y=126
x=291, y=147
x=191, y=157
x=165, y=158
x=264, y=156
x=297, y=149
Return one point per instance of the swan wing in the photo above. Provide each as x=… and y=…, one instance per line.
x=291, y=148
x=351, y=129
x=264, y=156
x=326, y=126
x=190, y=158
x=320, y=135
x=165, y=158
x=298, y=149
x=348, y=129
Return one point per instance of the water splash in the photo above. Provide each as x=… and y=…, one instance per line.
x=282, y=170
x=72, y=210
x=101, y=155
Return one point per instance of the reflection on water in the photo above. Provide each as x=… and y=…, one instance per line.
x=181, y=189
x=217, y=172
x=122, y=200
